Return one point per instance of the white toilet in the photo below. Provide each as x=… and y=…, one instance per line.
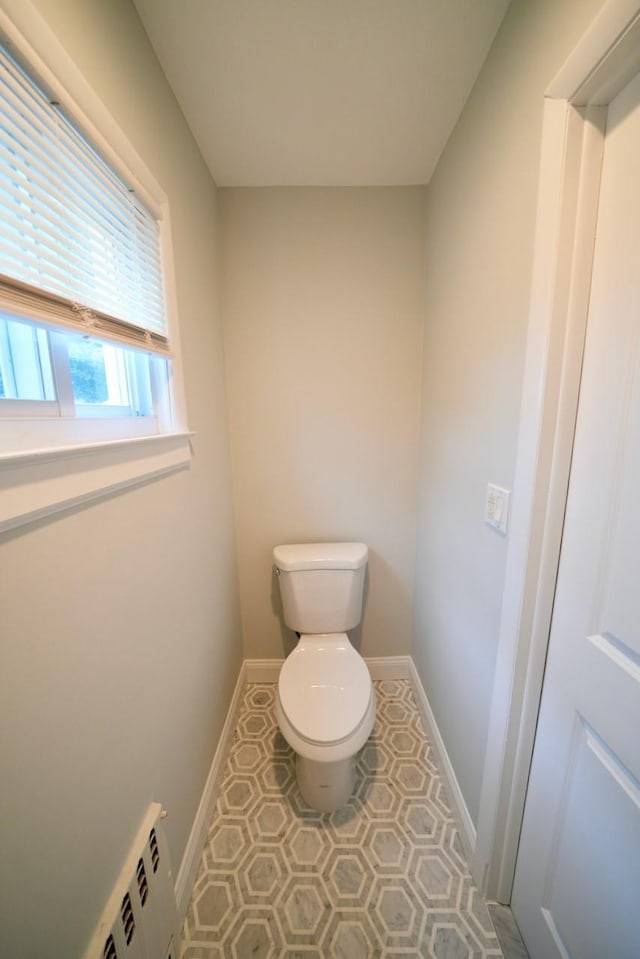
x=325, y=704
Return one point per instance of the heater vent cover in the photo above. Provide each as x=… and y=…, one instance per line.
x=110, y=949
x=140, y=919
x=128, y=922
x=143, y=887
x=155, y=852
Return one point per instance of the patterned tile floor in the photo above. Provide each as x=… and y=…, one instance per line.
x=382, y=877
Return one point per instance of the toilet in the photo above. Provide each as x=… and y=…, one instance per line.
x=325, y=704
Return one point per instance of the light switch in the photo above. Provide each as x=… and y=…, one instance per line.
x=496, y=510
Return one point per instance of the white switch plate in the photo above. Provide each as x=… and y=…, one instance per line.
x=496, y=510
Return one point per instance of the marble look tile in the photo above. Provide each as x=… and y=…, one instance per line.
x=350, y=942
x=201, y=952
x=382, y=878
x=508, y=933
x=448, y=943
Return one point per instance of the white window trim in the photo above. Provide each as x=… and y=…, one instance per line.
x=39, y=482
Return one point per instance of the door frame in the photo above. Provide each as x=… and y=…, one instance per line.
x=574, y=117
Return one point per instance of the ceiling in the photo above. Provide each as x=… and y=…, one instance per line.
x=321, y=92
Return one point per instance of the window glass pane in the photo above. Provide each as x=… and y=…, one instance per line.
x=42, y=338
x=98, y=373
x=25, y=362
x=139, y=368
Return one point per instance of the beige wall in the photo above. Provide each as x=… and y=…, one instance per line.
x=480, y=227
x=120, y=627
x=323, y=309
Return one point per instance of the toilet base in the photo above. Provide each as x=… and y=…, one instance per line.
x=326, y=786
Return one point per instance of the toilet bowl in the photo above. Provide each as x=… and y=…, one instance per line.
x=325, y=703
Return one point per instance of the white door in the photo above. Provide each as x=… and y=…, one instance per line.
x=577, y=883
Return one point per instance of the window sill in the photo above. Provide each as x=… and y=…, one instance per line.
x=37, y=483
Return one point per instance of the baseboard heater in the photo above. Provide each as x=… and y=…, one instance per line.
x=140, y=919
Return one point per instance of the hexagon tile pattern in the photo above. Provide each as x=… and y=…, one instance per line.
x=382, y=877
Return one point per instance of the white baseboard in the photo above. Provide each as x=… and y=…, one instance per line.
x=198, y=836
x=464, y=821
x=380, y=667
x=262, y=670
x=389, y=667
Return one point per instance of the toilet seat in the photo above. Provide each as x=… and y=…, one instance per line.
x=325, y=691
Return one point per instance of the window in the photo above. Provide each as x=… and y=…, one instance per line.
x=58, y=374
x=82, y=320
x=88, y=385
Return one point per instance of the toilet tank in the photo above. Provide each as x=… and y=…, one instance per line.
x=321, y=585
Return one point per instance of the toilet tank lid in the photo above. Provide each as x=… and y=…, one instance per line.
x=320, y=556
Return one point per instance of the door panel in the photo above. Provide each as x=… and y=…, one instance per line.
x=592, y=834
x=577, y=886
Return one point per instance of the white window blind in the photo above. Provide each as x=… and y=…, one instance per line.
x=78, y=249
